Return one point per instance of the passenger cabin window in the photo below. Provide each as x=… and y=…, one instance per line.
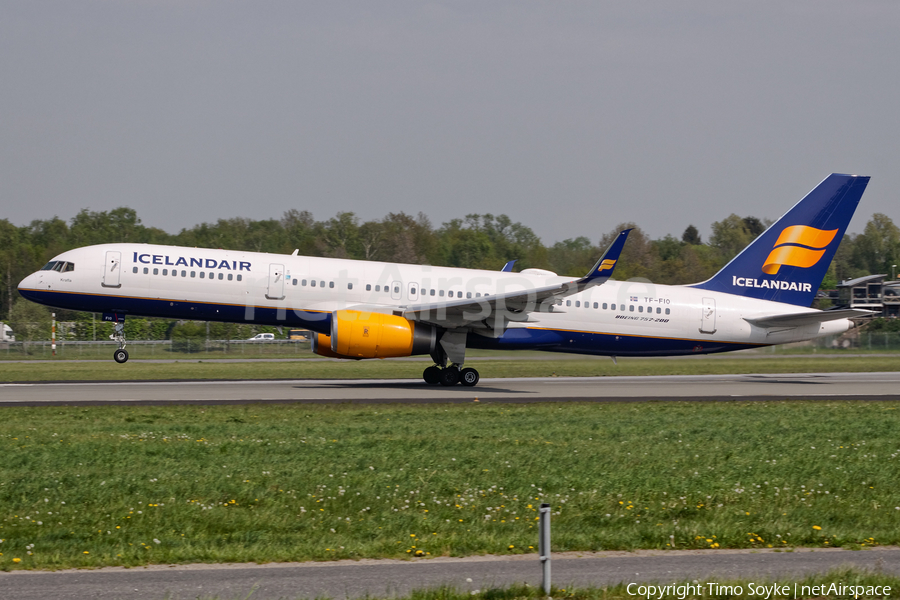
x=349, y=286
x=222, y=275
x=368, y=287
x=202, y=274
x=312, y=283
x=568, y=303
x=667, y=311
x=134, y=269
x=296, y=282
x=331, y=284
x=604, y=306
x=321, y=284
x=441, y=293
x=155, y=271
x=184, y=273
x=165, y=271
x=431, y=292
x=239, y=277
x=146, y=270
x=640, y=309
x=193, y=273
x=230, y=276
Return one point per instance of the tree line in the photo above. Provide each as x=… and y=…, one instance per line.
x=476, y=241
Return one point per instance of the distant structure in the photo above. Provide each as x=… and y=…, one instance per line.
x=871, y=292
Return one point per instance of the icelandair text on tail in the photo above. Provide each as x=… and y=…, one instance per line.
x=771, y=284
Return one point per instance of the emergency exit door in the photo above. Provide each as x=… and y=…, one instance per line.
x=275, y=291
x=112, y=269
x=708, y=317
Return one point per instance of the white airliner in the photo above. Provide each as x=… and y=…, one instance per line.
x=365, y=309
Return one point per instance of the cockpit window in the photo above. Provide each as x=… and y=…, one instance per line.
x=59, y=266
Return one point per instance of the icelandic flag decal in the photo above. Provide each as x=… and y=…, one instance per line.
x=633, y=298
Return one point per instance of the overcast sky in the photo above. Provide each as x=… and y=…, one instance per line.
x=570, y=117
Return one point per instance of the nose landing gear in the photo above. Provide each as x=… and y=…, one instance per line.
x=118, y=335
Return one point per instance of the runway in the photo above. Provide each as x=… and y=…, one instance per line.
x=390, y=578
x=838, y=386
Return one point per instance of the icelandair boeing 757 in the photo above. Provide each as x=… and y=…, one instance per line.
x=361, y=309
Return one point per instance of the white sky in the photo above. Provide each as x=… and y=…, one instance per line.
x=570, y=117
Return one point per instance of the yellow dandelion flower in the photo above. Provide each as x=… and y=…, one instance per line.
x=817, y=528
x=17, y=560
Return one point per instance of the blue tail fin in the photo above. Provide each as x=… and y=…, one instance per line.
x=789, y=260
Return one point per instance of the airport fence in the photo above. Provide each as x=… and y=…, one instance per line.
x=191, y=348
x=199, y=348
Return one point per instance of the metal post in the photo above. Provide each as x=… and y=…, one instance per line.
x=544, y=546
x=53, y=334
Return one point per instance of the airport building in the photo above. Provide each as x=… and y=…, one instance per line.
x=871, y=292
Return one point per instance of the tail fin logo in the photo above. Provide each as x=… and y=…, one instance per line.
x=798, y=246
x=607, y=264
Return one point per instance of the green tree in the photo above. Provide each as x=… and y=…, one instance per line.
x=30, y=322
x=877, y=249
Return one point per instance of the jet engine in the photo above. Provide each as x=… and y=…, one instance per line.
x=359, y=334
x=321, y=345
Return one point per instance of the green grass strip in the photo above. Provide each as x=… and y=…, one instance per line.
x=386, y=369
x=844, y=583
x=136, y=485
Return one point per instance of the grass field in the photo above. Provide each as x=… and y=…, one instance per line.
x=137, y=485
x=864, y=583
x=405, y=369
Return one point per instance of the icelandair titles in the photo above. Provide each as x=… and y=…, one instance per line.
x=771, y=284
x=202, y=263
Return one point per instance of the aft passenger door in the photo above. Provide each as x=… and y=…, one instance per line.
x=112, y=269
x=708, y=316
x=275, y=290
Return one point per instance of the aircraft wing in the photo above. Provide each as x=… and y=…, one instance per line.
x=493, y=311
x=807, y=318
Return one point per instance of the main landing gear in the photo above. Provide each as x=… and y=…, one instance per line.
x=118, y=335
x=448, y=357
x=449, y=376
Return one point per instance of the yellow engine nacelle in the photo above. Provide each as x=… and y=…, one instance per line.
x=357, y=334
x=321, y=345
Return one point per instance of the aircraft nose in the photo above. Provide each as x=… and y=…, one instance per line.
x=27, y=287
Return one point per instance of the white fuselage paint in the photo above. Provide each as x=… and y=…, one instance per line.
x=643, y=309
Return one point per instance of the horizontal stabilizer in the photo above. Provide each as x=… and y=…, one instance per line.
x=808, y=318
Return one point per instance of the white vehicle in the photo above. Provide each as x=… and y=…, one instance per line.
x=262, y=337
x=359, y=309
x=6, y=334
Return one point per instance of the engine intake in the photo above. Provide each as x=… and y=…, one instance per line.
x=321, y=345
x=358, y=334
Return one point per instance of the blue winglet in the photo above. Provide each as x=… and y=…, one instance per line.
x=509, y=266
x=603, y=270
